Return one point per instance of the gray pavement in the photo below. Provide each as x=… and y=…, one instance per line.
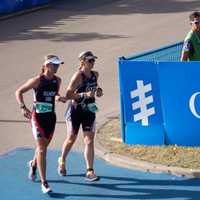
x=110, y=28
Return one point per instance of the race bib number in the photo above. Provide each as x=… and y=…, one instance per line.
x=42, y=107
x=92, y=107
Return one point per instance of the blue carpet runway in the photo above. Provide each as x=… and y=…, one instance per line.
x=116, y=183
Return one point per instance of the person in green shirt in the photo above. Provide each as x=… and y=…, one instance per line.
x=191, y=46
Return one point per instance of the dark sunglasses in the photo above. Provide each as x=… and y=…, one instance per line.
x=196, y=22
x=55, y=65
x=91, y=60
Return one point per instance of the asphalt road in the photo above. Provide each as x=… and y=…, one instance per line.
x=110, y=28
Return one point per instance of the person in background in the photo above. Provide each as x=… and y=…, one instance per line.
x=191, y=46
x=82, y=109
x=43, y=118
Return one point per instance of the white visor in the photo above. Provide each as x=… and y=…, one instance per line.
x=54, y=60
x=86, y=55
x=90, y=57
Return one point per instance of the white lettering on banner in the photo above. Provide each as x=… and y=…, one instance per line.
x=142, y=102
x=192, y=106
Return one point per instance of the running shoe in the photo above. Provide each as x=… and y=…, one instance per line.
x=45, y=188
x=91, y=176
x=32, y=171
x=61, y=167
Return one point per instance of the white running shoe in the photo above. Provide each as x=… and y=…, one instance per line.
x=91, y=176
x=45, y=188
x=32, y=171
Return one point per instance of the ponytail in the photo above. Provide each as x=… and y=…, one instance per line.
x=81, y=64
x=42, y=70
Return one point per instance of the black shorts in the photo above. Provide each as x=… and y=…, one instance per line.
x=76, y=116
x=43, y=125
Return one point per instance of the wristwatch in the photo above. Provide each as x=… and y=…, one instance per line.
x=22, y=105
x=99, y=89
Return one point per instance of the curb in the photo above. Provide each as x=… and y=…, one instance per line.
x=126, y=162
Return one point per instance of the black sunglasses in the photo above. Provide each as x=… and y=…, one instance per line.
x=56, y=65
x=91, y=60
x=196, y=22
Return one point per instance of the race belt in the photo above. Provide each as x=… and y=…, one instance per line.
x=43, y=107
x=92, y=107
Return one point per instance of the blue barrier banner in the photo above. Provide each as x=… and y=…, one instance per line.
x=9, y=6
x=175, y=102
x=139, y=91
x=32, y=3
x=180, y=95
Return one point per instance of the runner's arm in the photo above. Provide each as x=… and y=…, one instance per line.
x=73, y=85
x=58, y=97
x=30, y=84
x=99, y=90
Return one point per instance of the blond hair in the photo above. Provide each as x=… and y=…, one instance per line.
x=81, y=64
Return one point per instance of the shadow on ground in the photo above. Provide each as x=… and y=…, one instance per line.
x=125, y=185
x=115, y=182
x=38, y=24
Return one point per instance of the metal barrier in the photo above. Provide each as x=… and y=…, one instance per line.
x=167, y=53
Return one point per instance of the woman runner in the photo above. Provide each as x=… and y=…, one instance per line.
x=82, y=111
x=43, y=118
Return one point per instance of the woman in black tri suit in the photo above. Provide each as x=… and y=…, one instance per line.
x=82, y=90
x=43, y=118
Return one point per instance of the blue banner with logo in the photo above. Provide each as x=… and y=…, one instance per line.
x=160, y=102
x=180, y=96
x=139, y=91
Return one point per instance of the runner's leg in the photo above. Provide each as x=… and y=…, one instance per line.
x=89, y=149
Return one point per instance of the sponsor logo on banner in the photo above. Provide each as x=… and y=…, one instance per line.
x=142, y=103
x=192, y=104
